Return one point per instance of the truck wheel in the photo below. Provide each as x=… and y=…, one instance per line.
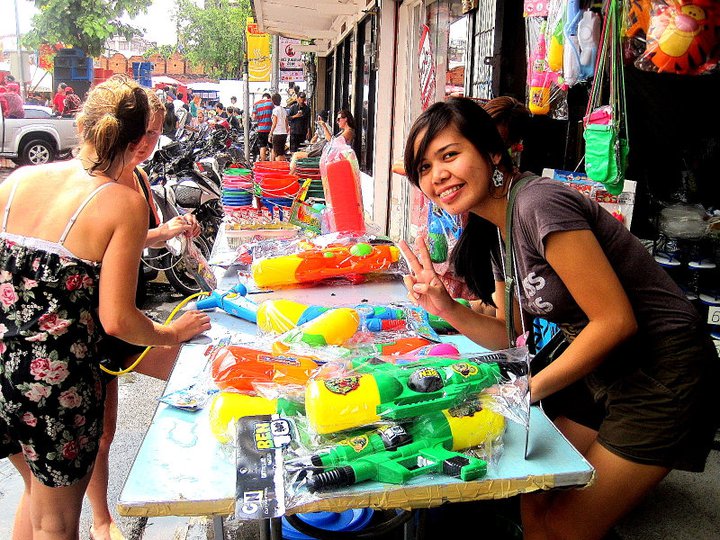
x=37, y=152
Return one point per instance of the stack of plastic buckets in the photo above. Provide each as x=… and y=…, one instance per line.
x=276, y=186
x=237, y=188
x=309, y=168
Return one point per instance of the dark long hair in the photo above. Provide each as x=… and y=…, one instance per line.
x=471, y=255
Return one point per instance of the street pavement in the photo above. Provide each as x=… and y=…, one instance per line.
x=683, y=507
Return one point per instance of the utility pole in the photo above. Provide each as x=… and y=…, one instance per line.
x=275, y=69
x=246, y=104
x=19, y=52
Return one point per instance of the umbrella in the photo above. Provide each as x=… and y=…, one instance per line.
x=164, y=79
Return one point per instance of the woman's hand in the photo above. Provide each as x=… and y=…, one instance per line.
x=424, y=286
x=190, y=324
x=185, y=224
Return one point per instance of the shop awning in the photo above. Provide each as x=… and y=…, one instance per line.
x=319, y=20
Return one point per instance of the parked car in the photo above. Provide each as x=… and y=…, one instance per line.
x=38, y=138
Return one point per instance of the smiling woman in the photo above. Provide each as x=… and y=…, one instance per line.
x=578, y=267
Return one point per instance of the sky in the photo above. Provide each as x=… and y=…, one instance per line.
x=157, y=23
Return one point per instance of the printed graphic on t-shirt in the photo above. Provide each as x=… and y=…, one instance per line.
x=533, y=284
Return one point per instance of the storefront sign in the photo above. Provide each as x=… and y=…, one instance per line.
x=290, y=56
x=291, y=75
x=426, y=70
x=258, y=51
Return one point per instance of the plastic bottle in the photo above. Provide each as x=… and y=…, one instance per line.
x=341, y=184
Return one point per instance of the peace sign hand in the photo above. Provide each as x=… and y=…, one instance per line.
x=425, y=288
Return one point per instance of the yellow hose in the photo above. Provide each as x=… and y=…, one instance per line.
x=147, y=349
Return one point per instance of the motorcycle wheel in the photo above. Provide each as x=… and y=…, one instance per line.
x=179, y=277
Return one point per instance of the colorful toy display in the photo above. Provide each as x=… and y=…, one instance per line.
x=315, y=264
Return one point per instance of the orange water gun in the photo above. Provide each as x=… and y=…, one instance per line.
x=317, y=263
x=237, y=368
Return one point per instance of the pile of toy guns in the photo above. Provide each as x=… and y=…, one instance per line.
x=370, y=392
x=389, y=418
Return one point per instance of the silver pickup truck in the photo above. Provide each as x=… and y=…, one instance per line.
x=38, y=138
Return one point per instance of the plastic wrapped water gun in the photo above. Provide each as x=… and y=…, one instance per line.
x=539, y=79
x=227, y=407
x=396, y=454
x=238, y=368
x=315, y=264
x=380, y=390
x=332, y=327
x=234, y=302
x=279, y=315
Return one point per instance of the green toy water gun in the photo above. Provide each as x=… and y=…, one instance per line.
x=396, y=454
x=394, y=391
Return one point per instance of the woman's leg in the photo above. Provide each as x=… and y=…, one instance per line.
x=157, y=363
x=103, y=527
x=589, y=513
x=22, y=527
x=47, y=513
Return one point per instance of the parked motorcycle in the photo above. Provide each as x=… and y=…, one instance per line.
x=179, y=187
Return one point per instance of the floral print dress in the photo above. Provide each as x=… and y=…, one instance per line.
x=51, y=386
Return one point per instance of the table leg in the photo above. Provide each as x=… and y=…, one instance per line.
x=218, y=528
x=414, y=528
x=271, y=529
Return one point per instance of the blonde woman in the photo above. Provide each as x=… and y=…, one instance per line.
x=71, y=240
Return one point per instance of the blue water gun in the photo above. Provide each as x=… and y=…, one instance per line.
x=233, y=302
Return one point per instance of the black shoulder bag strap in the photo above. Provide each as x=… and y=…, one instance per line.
x=509, y=261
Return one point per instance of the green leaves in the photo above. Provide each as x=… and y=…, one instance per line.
x=213, y=37
x=85, y=24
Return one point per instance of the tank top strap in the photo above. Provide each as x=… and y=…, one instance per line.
x=80, y=209
x=6, y=214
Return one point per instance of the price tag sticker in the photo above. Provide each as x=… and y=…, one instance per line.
x=714, y=315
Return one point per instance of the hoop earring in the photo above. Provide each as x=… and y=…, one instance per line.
x=498, y=178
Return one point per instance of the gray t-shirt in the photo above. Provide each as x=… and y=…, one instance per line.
x=544, y=206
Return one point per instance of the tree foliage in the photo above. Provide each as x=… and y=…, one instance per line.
x=214, y=37
x=85, y=24
x=166, y=51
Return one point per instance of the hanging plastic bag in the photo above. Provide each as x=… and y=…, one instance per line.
x=605, y=134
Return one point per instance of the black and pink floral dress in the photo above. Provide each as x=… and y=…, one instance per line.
x=51, y=386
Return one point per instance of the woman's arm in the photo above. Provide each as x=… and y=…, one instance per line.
x=170, y=229
x=574, y=255
x=326, y=130
x=348, y=134
x=118, y=281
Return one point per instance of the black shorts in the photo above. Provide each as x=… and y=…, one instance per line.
x=278, y=144
x=295, y=141
x=262, y=139
x=662, y=413
x=115, y=353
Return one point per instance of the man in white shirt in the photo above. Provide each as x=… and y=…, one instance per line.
x=279, y=129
